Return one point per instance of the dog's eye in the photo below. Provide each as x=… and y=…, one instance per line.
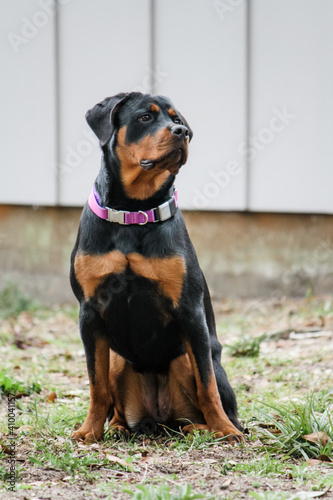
x=177, y=120
x=145, y=118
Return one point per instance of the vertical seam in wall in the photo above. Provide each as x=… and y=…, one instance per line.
x=57, y=103
x=247, y=100
x=152, y=14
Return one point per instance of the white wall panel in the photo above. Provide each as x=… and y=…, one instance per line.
x=291, y=70
x=104, y=49
x=27, y=100
x=200, y=54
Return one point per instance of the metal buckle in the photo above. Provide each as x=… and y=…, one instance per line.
x=146, y=215
x=164, y=211
x=116, y=216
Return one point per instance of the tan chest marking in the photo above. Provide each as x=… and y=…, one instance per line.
x=167, y=272
x=91, y=270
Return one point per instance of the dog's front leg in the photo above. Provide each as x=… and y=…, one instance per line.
x=197, y=345
x=97, y=355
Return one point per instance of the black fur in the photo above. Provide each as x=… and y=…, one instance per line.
x=133, y=305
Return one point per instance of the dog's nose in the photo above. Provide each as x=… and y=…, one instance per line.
x=180, y=130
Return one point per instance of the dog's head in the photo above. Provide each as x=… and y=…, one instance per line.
x=147, y=134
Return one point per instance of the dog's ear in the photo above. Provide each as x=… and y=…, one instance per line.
x=101, y=118
x=190, y=131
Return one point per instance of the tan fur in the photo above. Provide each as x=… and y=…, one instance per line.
x=139, y=183
x=100, y=400
x=137, y=396
x=167, y=272
x=210, y=402
x=91, y=270
x=154, y=107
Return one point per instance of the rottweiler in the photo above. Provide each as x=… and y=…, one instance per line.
x=146, y=318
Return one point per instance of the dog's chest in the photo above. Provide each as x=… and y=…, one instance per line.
x=167, y=272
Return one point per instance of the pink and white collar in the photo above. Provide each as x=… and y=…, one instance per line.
x=158, y=214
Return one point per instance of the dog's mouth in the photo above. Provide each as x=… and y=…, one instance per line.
x=171, y=161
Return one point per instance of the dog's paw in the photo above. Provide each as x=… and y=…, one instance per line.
x=117, y=431
x=88, y=434
x=191, y=428
x=88, y=437
x=233, y=435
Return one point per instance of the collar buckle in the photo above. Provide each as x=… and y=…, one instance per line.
x=158, y=214
x=116, y=215
x=164, y=211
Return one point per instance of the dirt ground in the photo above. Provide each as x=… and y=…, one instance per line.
x=295, y=357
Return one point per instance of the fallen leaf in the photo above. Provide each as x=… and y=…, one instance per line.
x=324, y=458
x=51, y=397
x=313, y=462
x=6, y=450
x=305, y=495
x=226, y=484
x=154, y=460
x=317, y=437
x=116, y=460
x=19, y=395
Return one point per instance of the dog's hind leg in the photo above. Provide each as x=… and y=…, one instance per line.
x=198, y=346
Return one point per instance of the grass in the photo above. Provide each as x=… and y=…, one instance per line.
x=262, y=466
x=275, y=403
x=9, y=385
x=291, y=421
x=13, y=301
x=164, y=492
x=246, y=347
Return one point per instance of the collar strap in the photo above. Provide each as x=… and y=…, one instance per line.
x=157, y=214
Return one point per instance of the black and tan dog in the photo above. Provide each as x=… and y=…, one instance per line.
x=146, y=318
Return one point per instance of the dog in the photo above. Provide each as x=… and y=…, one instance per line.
x=146, y=318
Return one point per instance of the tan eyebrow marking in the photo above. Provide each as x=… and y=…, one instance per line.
x=154, y=107
x=172, y=112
